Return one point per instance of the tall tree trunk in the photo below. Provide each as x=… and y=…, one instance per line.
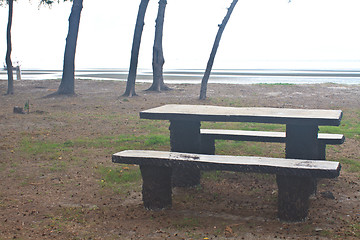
x=67, y=85
x=9, y=67
x=158, y=56
x=214, y=49
x=130, y=85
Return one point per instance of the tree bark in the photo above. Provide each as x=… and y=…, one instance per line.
x=214, y=50
x=9, y=67
x=139, y=26
x=158, y=56
x=67, y=85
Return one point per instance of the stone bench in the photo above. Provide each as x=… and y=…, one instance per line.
x=208, y=137
x=294, y=176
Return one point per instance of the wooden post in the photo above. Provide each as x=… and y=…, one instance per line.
x=156, y=191
x=18, y=73
x=185, y=137
x=294, y=192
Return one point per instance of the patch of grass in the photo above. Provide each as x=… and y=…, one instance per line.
x=350, y=126
x=109, y=144
x=156, y=140
x=58, y=166
x=350, y=165
x=244, y=126
x=253, y=149
x=43, y=148
x=123, y=142
x=228, y=147
x=35, y=147
x=154, y=127
x=356, y=229
x=120, y=178
x=68, y=143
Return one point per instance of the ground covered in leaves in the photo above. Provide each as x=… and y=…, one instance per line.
x=58, y=181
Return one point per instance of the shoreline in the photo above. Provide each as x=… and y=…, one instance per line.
x=194, y=76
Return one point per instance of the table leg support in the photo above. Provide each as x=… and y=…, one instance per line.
x=185, y=137
x=322, y=151
x=207, y=145
x=156, y=190
x=302, y=143
x=293, y=197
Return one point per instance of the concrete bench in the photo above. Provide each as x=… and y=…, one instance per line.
x=294, y=176
x=208, y=137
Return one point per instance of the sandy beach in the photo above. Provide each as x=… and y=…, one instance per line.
x=54, y=162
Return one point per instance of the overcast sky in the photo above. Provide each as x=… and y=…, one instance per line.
x=260, y=33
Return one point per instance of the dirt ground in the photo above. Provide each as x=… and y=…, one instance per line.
x=47, y=195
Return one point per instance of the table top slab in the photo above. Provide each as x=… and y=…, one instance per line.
x=244, y=114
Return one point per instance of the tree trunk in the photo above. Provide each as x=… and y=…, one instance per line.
x=130, y=85
x=214, y=49
x=67, y=85
x=9, y=67
x=158, y=57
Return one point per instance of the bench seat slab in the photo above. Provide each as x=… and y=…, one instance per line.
x=265, y=136
x=208, y=137
x=290, y=167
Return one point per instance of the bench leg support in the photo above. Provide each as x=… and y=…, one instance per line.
x=293, y=197
x=156, y=190
x=185, y=137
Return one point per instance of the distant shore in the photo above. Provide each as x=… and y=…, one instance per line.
x=194, y=76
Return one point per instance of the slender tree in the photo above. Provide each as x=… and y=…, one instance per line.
x=139, y=26
x=8, y=61
x=158, y=56
x=214, y=50
x=67, y=84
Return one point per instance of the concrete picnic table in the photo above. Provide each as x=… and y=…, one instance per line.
x=302, y=126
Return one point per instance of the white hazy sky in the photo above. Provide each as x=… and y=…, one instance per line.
x=259, y=34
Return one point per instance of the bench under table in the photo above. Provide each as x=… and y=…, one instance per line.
x=208, y=137
x=294, y=176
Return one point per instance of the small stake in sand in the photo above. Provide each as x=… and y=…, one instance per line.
x=27, y=106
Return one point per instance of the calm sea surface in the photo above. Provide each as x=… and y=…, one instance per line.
x=194, y=76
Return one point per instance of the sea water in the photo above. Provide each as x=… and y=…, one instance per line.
x=194, y=76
